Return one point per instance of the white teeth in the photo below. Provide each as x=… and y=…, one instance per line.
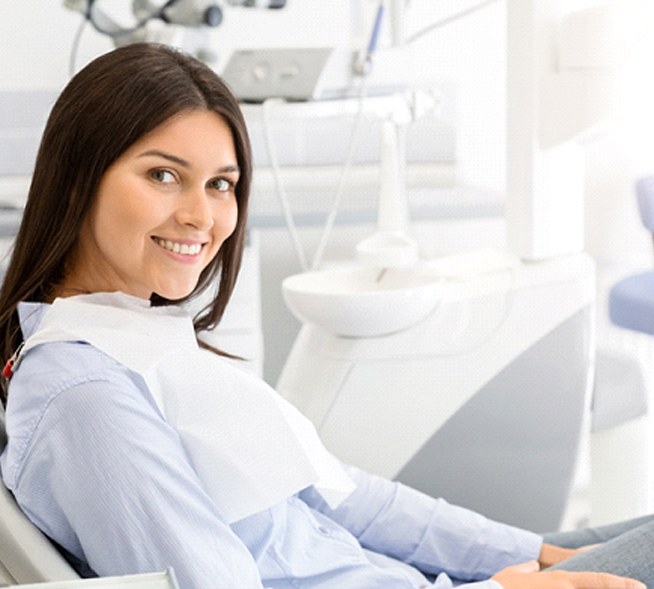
x=180, y=248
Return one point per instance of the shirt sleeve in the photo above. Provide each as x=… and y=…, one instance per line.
x=430, y=534
x=109, y=480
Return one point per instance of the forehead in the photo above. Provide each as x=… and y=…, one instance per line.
x=192, y=131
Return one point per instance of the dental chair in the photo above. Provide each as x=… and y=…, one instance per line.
x=26, y=555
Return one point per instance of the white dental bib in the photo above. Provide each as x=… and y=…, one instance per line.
x=250, y=448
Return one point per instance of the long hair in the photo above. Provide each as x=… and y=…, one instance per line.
x=105, y=108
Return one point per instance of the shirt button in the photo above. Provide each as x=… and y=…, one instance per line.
x=323, y=530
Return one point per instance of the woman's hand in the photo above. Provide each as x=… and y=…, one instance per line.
x=527, y=576
x=551, y=555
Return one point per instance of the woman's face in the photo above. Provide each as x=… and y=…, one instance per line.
x=162, y=211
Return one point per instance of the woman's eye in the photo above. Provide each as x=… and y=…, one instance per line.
x=221, y=185
x=163, y=176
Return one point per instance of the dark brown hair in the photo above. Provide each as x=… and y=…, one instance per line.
x=105, y=108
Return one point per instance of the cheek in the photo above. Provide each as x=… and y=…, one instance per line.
x=122, y=213
x=233, y=218
x=226, y=221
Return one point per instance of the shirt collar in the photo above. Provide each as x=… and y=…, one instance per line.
x=30, y=316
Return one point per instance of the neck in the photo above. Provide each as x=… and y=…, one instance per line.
x=67, y=291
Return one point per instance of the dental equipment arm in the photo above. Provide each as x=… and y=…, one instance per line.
x=186, y=13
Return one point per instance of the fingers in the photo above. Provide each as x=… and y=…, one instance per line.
x=551, y=555
x=531, y=566
x=606, y=581
x=527, y=576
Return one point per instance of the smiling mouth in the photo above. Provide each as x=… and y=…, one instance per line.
x=184, y=249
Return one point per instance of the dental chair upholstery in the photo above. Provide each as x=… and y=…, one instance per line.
x=26, y=555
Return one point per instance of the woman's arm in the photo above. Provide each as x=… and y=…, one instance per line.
x=437, y=537
x=428, y=533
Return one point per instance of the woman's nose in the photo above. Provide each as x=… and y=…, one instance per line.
x=195, y=209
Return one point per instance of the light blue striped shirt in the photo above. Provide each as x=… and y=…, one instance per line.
x=93, y=463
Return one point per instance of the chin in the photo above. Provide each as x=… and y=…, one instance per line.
x=174, y=294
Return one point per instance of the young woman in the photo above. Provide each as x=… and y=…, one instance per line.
x=133, y=448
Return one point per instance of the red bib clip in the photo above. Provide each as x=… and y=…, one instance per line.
x=11, y=364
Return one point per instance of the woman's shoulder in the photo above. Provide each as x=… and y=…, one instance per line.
x=55, y=362
x=57, y=365
x=75, y=382
x=61, y=373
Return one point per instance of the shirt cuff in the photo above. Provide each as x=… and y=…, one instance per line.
x=468, y=546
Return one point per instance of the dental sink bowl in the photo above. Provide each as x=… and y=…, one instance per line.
x=362, y=301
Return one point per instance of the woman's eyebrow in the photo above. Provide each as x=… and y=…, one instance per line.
x=167, y=156
x=227, y=169
x=183, y=162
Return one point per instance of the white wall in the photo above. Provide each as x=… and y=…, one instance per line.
x=35, y=41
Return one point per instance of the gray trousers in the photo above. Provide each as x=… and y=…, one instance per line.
x=627, y=549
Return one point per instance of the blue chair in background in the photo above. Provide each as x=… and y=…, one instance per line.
x=631, y=300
